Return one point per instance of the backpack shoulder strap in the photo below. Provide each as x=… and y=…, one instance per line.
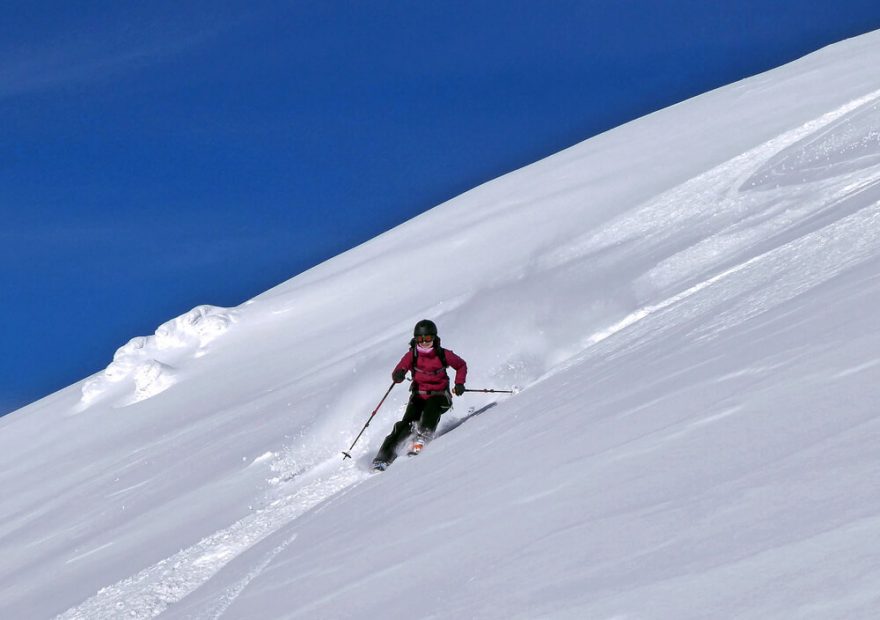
x=441, y=353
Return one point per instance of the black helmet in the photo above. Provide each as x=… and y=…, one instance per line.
x=425, y=328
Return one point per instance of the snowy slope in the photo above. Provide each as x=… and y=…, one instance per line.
x=688, y=306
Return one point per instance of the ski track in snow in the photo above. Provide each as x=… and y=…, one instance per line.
x=231, y=593
x=154, y=589
x=150, y=592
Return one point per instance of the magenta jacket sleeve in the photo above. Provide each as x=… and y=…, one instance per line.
x=459, y=364
x=405, y=363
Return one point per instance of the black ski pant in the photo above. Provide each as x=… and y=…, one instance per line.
x=422, y=416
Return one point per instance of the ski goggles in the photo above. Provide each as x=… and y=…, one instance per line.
x=428, y=338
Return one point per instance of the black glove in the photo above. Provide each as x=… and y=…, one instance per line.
x=459, y=389
x=398, y=375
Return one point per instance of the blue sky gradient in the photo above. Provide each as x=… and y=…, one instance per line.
x=156, y=156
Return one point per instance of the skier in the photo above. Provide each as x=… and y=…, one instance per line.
x=430, y=398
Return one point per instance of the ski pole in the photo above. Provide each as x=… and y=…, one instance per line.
x=346, y=455
x=492, y=391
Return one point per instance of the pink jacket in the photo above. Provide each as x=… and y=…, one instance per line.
x=429, y=374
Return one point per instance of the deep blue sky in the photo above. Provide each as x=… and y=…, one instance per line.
x=159, y=155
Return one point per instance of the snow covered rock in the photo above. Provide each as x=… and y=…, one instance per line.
x=147, y=365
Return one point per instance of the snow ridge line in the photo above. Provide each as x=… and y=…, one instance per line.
x=153, y=590
x=646, y=311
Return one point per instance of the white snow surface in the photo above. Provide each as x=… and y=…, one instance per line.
x=687, y=306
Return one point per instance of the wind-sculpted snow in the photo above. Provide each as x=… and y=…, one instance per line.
x=731, y=225
x=710, y=221
x=146, y=366
x=846, y=145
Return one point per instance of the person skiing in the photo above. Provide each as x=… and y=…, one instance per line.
x=431, y=397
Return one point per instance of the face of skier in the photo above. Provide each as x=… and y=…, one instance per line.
x=425, y=340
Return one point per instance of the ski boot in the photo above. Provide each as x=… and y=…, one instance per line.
x=419, y=441
x=416, y=446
